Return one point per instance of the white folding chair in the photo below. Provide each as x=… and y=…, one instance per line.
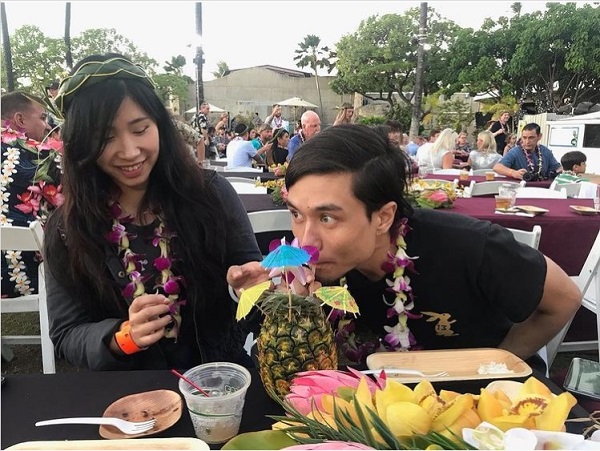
x=29, y=239
x=243, y=185
x=540, y=193
x=242, y=169
x=532, y=239
x=572, y=189
x=488, y=188
x=232, y=179
x=588, y=282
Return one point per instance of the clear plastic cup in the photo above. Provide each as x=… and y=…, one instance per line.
x=216, y=418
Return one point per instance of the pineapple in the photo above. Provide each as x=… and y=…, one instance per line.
x=295, y=336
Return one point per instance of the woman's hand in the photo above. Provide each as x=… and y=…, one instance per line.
x=148, y=317
x=246, y=275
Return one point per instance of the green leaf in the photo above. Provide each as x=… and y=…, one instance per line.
x=260, y=440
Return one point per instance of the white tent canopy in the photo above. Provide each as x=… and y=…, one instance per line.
x=213, y=109
x=583, y=117
x=297, y=101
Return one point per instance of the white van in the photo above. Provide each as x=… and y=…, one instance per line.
x=575, y=133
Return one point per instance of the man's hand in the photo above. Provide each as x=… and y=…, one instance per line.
x=246, y=275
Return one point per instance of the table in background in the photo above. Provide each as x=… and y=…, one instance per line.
x=567, y=237
x=28, y=398
x=481, y=178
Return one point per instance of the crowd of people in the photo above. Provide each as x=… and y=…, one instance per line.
x=146, y=251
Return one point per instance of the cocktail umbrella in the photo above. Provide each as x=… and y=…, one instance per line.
x=286, y=255
x=338, y=298
x=249, y=297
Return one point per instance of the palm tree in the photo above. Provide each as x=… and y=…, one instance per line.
x=222, y=68
x=69, y=55
x=10, y=78
x=309, y=54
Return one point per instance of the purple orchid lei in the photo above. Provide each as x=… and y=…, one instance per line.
x=166, y=282
x=398, y=337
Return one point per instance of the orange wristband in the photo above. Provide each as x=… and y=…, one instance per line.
x=124, y=340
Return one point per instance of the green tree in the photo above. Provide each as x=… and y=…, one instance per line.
x=454, y=114
x=222, y=69
x=550, y=57
x=380, y=57
x=309, y=54
x=175, y=66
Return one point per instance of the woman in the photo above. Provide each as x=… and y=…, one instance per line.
x=138, y=254
x=485, y=157
x=345, y=115
x=511, y=141
x=278, y=152
x=440, y=155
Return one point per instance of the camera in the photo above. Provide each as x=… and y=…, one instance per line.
x=529, y=177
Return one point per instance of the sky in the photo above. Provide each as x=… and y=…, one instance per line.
x=240, y=33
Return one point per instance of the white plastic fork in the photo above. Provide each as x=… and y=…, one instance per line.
x=128, y=427
x=407, y=372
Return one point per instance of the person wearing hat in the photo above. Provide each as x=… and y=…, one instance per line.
x=345, y=115
x=240, y=151
x=52, y=89
x=265, y=133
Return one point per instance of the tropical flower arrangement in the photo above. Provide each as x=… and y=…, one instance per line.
x=425, y=194
x=381, y=413
x=279, y=169
x=277, y=189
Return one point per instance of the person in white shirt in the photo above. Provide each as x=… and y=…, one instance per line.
x=240, y=151
x=440, y=155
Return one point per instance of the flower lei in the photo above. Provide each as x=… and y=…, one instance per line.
x=530, y=161
x=398, y=337
x=166, y=282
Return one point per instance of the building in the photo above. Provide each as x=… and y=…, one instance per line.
x=257, y=89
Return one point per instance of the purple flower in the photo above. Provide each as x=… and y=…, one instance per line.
x=162, y=263
x=171, y=286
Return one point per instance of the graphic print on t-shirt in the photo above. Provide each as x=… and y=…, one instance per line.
x=443, y=328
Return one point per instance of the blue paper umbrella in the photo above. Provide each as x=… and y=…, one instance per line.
x=286, y=255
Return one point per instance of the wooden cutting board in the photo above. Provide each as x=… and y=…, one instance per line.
x=124, y=444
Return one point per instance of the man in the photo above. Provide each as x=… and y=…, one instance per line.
x=422, y=278
x=275, y=120
x=31, y=187
x=395, y=133
x=200, y=123
x=311, y=125
x=240, y=151
x=530, y=160
x=261, y=142
x=500, y=131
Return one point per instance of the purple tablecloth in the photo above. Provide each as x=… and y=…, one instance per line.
x=567, y=237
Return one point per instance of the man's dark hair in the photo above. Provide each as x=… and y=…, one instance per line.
x=532, y=126
x=394, y=125
x=379, y=173
x=17, y=101
x=572, y=158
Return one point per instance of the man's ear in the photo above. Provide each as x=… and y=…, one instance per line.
x=18, y=120
x=385, y=217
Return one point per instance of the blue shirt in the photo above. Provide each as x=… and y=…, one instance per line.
x=240, y=153
x=412, y=148
x=293, y=145
x=515, y=159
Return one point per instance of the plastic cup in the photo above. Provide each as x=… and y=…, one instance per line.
x=463, y=175
x=216, y=418
x=490, y=176
x=502, y=202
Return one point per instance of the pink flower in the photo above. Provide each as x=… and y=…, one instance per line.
x=439, y=196
x=308, y=387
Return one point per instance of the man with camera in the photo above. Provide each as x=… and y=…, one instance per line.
x=529, y=160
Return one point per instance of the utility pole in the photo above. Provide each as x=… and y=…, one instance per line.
x=418, y=90
x=199, y=59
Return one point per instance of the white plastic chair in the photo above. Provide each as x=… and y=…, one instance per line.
x=29, y=239
x=572, y=189
x=488, y=188
x=532, y=239
x=244, y=185
x=241, y=169
x=447, y=171
x=232, y=179
x=588, y=282
x=540, y=193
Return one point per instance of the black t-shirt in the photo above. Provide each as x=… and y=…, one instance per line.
x=473, y=282
x=500, y=138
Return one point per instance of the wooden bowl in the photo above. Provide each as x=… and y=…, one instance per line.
x=162, y=405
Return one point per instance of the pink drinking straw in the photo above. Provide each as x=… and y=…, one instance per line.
x=181, y=376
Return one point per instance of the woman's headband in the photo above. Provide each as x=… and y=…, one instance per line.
x=93, y=72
